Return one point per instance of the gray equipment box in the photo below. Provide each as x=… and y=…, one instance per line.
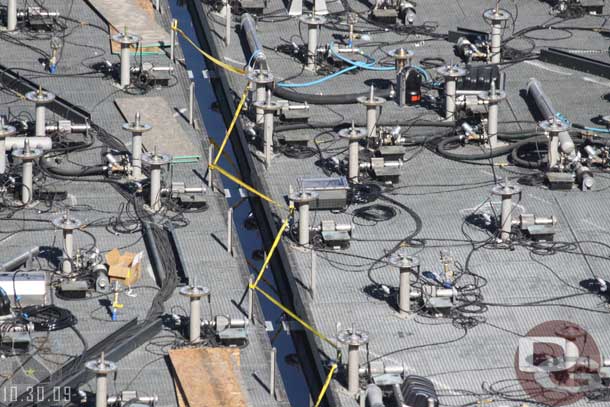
x=332, y=192
x=29, y=286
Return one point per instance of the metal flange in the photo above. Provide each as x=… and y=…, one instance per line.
x=40, y=97
x=136, y=126
x=496, y=15
x=553, y=125
x=195, y=291
x=451, y=71
x=260, y=77
x=403, y=261
x=353, y=337
x=101, y=366
x=492, y=97
x=156, y=159
x=27, y=154
x=271, y=106
x=312, y=20
x=303, y=197
x=66, y=222
x=505, y=189
x=353, y=133
x=126, y=39
x=6, y=130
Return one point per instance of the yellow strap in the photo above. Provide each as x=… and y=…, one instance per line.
x=242, y=184
x=218, y=62
x=326, y=383
x=233, y=121
x=296, y=318
x=271, y=251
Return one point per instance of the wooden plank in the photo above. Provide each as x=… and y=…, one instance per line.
x=137, y=15
x=166, y=133
x=208, y=377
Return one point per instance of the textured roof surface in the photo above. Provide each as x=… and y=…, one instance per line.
x=461, y=360
x=202, y=241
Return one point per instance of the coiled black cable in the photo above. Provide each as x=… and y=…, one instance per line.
x=48, y=318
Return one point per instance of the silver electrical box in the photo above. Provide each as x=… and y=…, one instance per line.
x=30, y=287
x=332, y=192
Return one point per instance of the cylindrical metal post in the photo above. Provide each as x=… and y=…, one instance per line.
x=155, y=161
x=172, y=40
x=155, y=188
x=353, y=135
x=101, y=391
x=496, y=18
x=313, y=23
x=68, y=251
x=260, y=97
x=496, y=42
x=41, y=124
x=450, y=89
x=268, y=136
x=304, y=224
x=312, y=46
x=11, y=15
x=227, y=24
x=371, y=102
x=406, y=266
x=126, y=40
x=125, y=66
x=230, y=231
x=506, y=191
x=210, y=171
x=101, y=368
x=26, y=182
x=353, y=339
x=136, y=155
x=194, y=293
x=195, y=320
x=250, y=300
x=272, y=372
x=314, y=273
x=450, y=73
x=191, y=101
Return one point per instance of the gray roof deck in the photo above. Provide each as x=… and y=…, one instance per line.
x=460, y=360
x=207, y=262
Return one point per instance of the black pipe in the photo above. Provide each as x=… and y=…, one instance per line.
x=346, y=99
x=443, y=150
x=73, y=172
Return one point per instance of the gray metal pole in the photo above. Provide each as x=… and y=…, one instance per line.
x=155, y=188
x=11, y=15
x=506, y=217
x=136, y=154
x=101, y=391
x=227, y=24
x=312, y=45
x=304, y=224
x=268, y=136
x=68, y=251
x=26, y=182
x=125, y=66
x=353, y=364
x=404, y=302
x=496, y=42
x=250, y=300
x=172, y=41
x=450, y=89
x=272, y=373
x=41, y=125
x=230, y=231
x=354, y=165
x=195, y=320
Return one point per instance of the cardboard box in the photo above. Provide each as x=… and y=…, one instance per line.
x=125, y=268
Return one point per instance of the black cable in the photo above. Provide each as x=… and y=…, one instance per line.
x=48, y=317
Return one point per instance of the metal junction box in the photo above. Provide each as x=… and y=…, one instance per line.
x=29, y=286
x=332, y=192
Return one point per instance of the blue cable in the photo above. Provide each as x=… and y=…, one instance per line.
x=317, y=81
